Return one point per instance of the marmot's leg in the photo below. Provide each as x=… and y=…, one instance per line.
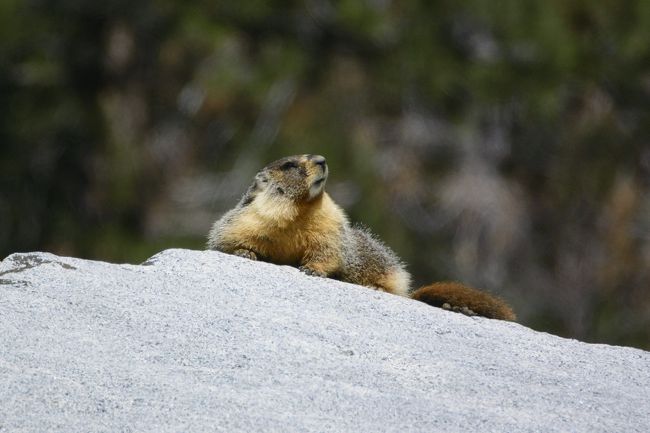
x=312, y=272
x=321, y=263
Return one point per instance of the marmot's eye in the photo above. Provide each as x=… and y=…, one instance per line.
x=288, y=165
x=279, y=190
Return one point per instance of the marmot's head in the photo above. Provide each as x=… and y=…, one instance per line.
x=299, y=178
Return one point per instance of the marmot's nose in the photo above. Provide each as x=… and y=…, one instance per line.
x=318, y=160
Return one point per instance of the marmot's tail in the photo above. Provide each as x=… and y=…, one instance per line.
x=457, y=297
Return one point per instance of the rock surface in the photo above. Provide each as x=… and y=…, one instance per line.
x=201, y=341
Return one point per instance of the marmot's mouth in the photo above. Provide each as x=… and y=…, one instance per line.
x=319, y=182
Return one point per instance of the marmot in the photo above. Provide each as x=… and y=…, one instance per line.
x=286, y=217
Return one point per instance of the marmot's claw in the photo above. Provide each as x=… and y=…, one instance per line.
x=247, y=254
x=313, y=272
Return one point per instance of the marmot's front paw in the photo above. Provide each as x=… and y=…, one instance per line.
x=247, y=254
x=313, y=272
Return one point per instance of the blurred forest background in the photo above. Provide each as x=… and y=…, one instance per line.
x=502, y=143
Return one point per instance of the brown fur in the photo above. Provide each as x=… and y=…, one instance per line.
x=466, y=299
x=286, y=217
